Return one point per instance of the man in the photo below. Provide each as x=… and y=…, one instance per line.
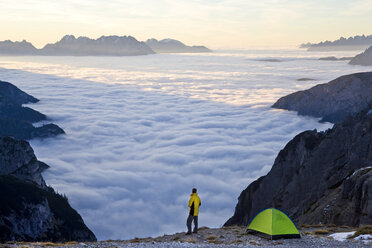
x=194, y=204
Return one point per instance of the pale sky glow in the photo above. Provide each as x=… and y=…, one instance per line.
x=214, y=23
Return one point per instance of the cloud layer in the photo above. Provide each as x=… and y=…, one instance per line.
x=142, y=131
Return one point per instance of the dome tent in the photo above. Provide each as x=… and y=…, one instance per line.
x=274, y=224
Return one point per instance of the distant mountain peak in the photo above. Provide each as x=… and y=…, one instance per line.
x=68, y=37
x=358, y=42
x=169, y=45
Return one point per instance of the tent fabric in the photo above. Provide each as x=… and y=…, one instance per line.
x=274, y=224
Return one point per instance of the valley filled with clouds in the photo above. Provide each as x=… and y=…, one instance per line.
x=142, y=131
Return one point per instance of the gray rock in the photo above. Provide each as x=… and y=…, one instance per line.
x=332, y=101
x=364, y=58
x=17, y=158
x=318, y=178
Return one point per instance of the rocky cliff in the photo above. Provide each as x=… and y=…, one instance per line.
x=29, y=210
x=332, y=101
x=174, y=46
x=319, y=177
x=16, y=120
x=103, y=46
x=364, y=58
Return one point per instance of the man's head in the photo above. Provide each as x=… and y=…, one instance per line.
x=194, y=190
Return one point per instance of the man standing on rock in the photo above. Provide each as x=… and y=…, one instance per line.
x=194, y=204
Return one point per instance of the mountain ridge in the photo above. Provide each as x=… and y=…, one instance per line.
x=112, y=45
x=174, y=46
x=358, y=42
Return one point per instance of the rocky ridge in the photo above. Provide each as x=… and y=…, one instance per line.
x=332, y=101
x=16, y=120
x=364, y=58
x=318, y=177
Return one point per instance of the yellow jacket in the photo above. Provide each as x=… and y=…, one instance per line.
x=194, y=204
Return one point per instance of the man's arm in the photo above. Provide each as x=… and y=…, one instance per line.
x=190, y=202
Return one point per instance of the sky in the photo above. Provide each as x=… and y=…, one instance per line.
x=218, y=24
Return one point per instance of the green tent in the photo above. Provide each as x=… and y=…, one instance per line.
x=274, y=224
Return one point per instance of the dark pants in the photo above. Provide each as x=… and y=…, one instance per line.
x=189, y=220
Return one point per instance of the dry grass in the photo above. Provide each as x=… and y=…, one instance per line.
x=217, y=242
x=321, y=232
x=189, y=240
x=240, y=235
x=212, y=237
x=46, y=244
x=364, y=229
x=71, y=243
x=254, y=243
x=311, y=226
x=203, y=228
x=176, y=238
x=135, y=240
x=238, y=241
x=231, y=227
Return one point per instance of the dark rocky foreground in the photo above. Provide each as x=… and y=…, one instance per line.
x=319, y=177
x=332, y=101
x=29, y=210
x=364, y=58
x=16, y=120
x=226, y=237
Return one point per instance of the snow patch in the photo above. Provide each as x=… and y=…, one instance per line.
x=342, y=236
x=365, y=238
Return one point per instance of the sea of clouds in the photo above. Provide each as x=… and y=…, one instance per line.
x=142, y=131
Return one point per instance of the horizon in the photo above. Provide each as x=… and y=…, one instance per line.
x=225, y=24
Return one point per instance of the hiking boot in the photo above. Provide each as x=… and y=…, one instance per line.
x=188, y=233
x=195, y=231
